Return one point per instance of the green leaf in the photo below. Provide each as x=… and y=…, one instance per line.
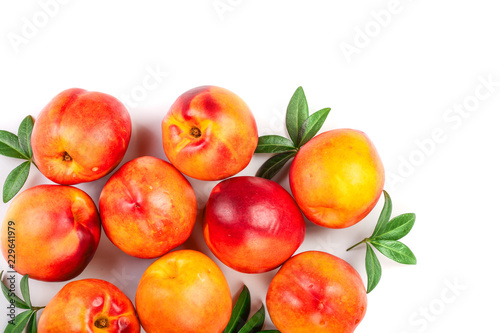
x=15, y=181
x=25, y=290
x=32, y=325
x=296, y=113
x=395, y=250
x=9, y=145
x=240, y=312
x=24, y=135
x=11, y=297
x=398, y=227
x=256, y=322
x=273, y=165
x=385, y=215
x=274, y=144
x=20, y=321
x=373, y=269
x=312, y=125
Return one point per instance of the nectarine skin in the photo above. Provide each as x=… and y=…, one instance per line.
x=183, y=292
x=80, y=136
x=337, y=178
x=316, y=292
x=89, y=305
x=147, y=207
x=209, y=133
x=56, y=231
x=252, y=224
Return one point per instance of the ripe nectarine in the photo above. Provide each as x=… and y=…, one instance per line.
x=316, y=292
x=147, y=207
x=51, y=232
x=80, y=136
x=337, y=178
x=252, y=224
x=209, y=133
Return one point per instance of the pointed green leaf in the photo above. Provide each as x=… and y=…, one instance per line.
x=395, y=250
x=312, y=125
x=15, y=181
x=32, y=325
x=24, y=135
x=397, y=227
x=9, y=145
x=240, y=312
x=274, y=144
x=373, y=269
x=20, y=322
x=11, y=297
x=273, y=165
x=25, y=290
x=296, y=113
x=256, y=322
x=385, y=215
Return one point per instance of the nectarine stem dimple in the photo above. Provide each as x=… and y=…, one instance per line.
x=66, y=157
x=101, y=323
x=196, y=132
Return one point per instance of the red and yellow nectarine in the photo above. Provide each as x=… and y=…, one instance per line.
x=53, y=230
x=89, y=305
x=183, y=292
x=337, y=178
x=209, y=133
x=316, y=292
x=252, y=224
x=147, y=207
x=80, y=136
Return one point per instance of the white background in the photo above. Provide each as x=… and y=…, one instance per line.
x=400, y=87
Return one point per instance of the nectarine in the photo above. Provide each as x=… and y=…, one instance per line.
x=147, y=207
x=89, y=305
x=316, y=292
x=337, y=178
x=51, y=232
x=209, y=133
x=80, y=136
x=183, y=292
x=252, y=224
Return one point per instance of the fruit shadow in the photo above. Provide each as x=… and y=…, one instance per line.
x=144, y=139
x=115, y=266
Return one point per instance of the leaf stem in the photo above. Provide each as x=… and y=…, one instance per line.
x=366, y=240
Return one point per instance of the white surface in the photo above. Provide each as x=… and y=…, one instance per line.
x=397, y=88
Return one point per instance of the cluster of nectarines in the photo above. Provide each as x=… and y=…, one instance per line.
x=148, y=207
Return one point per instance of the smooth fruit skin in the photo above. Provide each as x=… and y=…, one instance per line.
x=147, y=207
x=80, y=136
x=55, y=231
x=183, y=292
x=209, y=133
x=252, y=224
x=337, y=178
x=89, y=305
x=316, y=292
